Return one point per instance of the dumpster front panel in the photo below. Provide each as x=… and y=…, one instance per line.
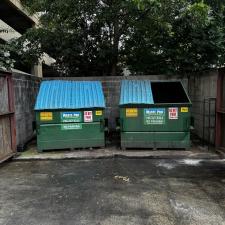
x=70, y=135
x=154, y=114
x=70, y=129
x=69, y=116
x=155, y=118
x=178, y=140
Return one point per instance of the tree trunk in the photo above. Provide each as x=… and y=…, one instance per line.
x=115, y=48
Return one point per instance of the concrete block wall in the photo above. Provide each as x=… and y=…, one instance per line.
x=25, y=88
x=111, y=88
x=203, y=86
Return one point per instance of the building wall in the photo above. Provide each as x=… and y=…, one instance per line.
x=25, y=88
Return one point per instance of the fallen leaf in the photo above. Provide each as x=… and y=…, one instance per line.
x=126, y=179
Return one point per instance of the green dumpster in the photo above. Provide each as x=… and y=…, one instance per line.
x=154, y=115
x=70, y=114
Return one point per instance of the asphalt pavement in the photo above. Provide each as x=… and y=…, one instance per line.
x=113, y=192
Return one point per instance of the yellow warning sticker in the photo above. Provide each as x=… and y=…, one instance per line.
x=98, y=113
x=132, y=112
x=184, y=109
x=46, y=116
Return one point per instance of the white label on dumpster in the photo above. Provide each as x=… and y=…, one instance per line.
x=173, y=113
x=154, y=116
x=88, y=116
x=73, y=126
x=68, y=117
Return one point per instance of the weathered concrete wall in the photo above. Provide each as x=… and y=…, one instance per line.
x=111, y=87
x=25, y=89
x=203, y=86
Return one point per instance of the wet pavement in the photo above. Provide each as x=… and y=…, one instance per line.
x=113, y=192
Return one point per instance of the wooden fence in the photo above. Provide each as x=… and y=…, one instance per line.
x=7, y=117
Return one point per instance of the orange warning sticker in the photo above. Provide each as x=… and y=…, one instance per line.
x=132, y=112
x=46, y=116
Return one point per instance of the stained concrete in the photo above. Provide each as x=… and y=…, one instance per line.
x=113, y=191
x=107, y=153
x=112, y=150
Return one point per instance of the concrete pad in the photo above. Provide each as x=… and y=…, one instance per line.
x=112, y=152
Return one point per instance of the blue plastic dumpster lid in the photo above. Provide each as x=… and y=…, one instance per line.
x=60, y=94
x=136, y=92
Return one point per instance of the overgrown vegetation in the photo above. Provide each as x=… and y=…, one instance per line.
x=6, y=59
x=100, y=37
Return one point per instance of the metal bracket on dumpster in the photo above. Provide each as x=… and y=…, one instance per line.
x=106, y=125
x=103, y=125
x=119, y=124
